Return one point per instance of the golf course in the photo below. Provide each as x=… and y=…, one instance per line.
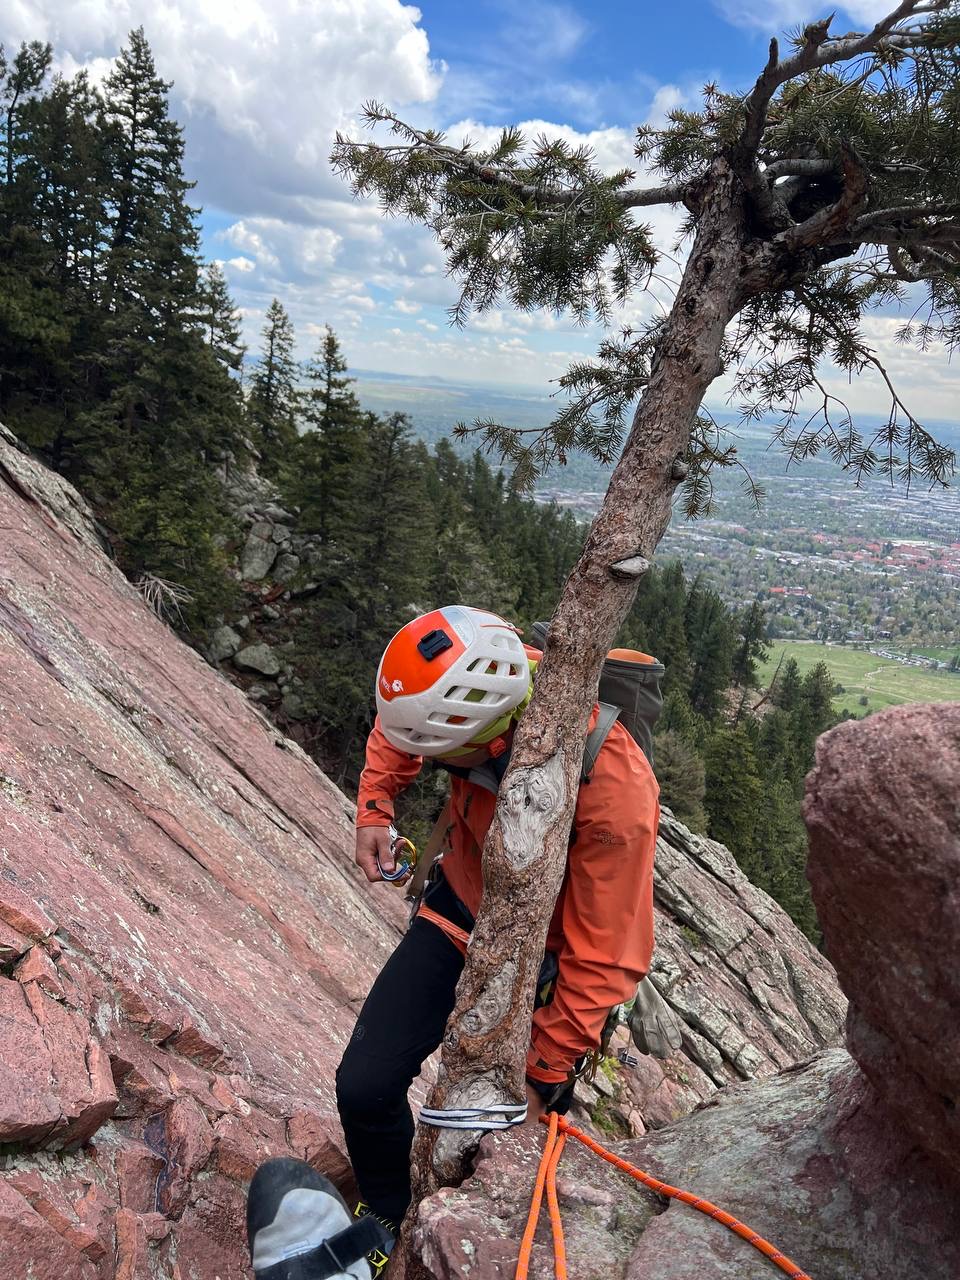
x=883, y=682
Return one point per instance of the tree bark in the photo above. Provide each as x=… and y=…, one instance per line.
x=524, y=856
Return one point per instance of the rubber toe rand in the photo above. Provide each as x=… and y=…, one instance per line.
x=299, y=1227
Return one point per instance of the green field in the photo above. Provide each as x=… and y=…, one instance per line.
x=883, y=682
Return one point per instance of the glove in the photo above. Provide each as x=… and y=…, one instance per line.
x=654, y=1027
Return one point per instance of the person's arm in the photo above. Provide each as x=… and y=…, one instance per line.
x=386, y=773
x=607, y=912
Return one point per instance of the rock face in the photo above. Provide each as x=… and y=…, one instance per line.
x=883, y=809
x=807, y=1159
x=183, y=939
x=850, y=1172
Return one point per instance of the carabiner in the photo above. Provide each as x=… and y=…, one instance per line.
x=404, y=853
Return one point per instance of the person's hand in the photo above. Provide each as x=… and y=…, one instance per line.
x=536, y=1107
x=374, y=842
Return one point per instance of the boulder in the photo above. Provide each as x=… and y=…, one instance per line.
x=258, y=657
x=259, y=553
x=753, y=993
x=224, y=644
x=288, y=565
x=884, y=819
x=807, y=1159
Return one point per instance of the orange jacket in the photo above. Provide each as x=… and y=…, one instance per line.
x=602, y=927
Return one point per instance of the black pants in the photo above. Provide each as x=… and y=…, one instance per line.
x=400, y=1025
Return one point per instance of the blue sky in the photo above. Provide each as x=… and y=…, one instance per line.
x=260, y=87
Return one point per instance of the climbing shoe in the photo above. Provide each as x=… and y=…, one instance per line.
x=379, y=1257
x=299, y=1227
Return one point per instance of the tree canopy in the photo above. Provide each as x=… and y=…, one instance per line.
x=845, y=153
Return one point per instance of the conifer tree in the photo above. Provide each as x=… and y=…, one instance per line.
x=330, y=453
x=787, y=690
x=734, y=794
x=827, y=189
x=273, y=392
x=20, y=79
x=711, y=639
x=682, y=777
x=221, y=320
x=751, y=649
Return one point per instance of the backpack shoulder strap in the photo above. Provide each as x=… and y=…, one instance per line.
x=606, y=719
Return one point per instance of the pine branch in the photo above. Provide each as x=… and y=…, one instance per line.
x=818, y=51
x=461, y=160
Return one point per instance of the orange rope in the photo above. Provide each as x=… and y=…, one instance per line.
x=546, y=1177
x=556, y=1223
x=526, y=1243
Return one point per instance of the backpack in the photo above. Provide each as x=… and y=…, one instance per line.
x=629, y=691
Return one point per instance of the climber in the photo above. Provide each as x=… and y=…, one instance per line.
x=450, y=688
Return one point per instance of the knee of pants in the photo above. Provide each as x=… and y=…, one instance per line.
x=368, y=1084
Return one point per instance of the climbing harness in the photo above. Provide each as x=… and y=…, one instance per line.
x=557, y=1133
x=404, y=854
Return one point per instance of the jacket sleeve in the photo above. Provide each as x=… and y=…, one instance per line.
x=607, y=910
x=386, y=773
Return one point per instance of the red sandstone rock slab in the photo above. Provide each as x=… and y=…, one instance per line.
x=884, y=824
x=31, y=1246
x=191, y=873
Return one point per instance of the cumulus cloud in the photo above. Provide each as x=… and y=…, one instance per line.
x=263, y=84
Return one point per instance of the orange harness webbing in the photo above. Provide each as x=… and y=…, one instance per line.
x=546, y=1178
x=459, y=937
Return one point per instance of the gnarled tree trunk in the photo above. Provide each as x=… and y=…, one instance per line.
x=485, y=1046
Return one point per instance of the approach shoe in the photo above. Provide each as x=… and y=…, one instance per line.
x=378, y=1258
x=299, y=1227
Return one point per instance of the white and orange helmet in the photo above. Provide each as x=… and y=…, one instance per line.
x=448, y=677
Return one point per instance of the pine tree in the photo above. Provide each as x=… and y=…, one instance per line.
x=273, y=392
x=787, y=691
x=330, y=453
x=710, y=641
x=682, y=778
x=221, y=320
x=20, y=81
x=752, y=648
x=734, y=795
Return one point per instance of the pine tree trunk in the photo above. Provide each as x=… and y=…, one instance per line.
x=485, y=1046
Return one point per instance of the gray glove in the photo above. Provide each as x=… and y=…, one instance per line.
x=654, y=1027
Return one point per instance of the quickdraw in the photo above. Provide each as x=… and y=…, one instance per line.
x=404, y=854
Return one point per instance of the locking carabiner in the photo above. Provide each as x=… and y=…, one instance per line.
x=404, y=853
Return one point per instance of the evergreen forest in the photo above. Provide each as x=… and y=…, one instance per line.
x=122, y=366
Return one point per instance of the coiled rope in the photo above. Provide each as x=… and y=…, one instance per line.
x=557, y=1133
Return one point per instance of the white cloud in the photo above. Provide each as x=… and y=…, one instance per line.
x=774, y=16
x=406, y=308
x=264, y=84
x=545, y=32
x=359, y=302
x=241, y=264
x=613, y=147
